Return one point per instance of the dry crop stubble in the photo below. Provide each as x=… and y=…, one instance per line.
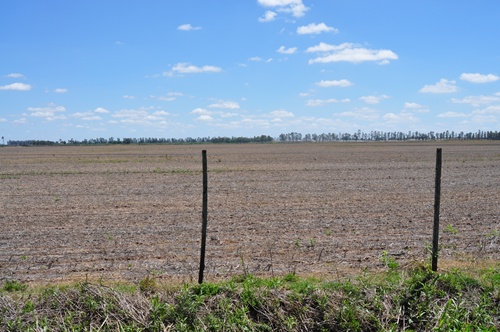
x=124, y=212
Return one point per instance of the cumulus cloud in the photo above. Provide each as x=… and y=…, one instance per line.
x=373, y=99
x=203, y=114
x=16, y=87
x=397, y=118
x=321, y=102
x=451, y=115
x=315, y=29
x=268, y=16
x=364, y=113
x=282, y=114
x=225, y=104
x=443, y=86
x=87, y=116
x=340, y=83
x=101, y=110
x=186, y=68
x=490, y=110
x=349, y=52
x=145, y=116
x=50, y=113
x=412, y=105
x=324, y=47
x=476, y=100
x=60, y=90
x=15, y=75
x=187, y=27
x=294, y=7
x=284, y=50
x=479, y=78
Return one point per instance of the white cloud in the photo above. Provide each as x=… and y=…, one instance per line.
x=374, y=99
x=324, y=47
x=101, y=110
x=141, y=116
x=284, y=50
x=490, y=110
x=225, y=104
x=476, y=100
x=350, y=53
x=131, y=113
x=3, y=120
x=200, y=111
x=413, y=105
x=479, y=78
x=204, y=117
x=60, y=90
x=87, y=116
x=203, y=114
x=315, y=29
x=259, y=59
x=282, y=114
x=364, y=113
x=161, y=113
x=170, y=96
x=163, y=98
x=443, y=86
x=452, y=115
x=185, y=68
x=321, y=102
x=340, y=83
x=50, y=113
x=268, y=16
x=16, y=87
x=15, y=75
x=403, y=117
x=128, y=97
x=294, y=7
x=20, y=121
x=187, y=27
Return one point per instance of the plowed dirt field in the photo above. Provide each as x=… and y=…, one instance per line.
x=125, y=212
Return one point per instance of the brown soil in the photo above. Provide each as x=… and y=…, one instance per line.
x=125, y=212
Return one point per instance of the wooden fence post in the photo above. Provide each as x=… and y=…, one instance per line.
x=437, y=202
x=204, y=216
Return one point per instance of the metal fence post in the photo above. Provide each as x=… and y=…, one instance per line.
x=204, y=216
x=437, y=202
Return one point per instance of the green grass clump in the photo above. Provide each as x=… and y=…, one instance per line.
x=396, y=300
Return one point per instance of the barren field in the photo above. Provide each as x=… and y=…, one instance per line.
x=126, y=212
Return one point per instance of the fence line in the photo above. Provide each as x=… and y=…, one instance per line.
x=293, y=222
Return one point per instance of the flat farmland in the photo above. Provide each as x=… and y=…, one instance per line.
x=124, y=212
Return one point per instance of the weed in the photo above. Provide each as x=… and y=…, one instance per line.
x=388, y=261
x=450, y=229
x=417, y=299
x=147, y=284
x=14, y=286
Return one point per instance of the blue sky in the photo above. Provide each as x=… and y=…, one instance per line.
x=197, y=68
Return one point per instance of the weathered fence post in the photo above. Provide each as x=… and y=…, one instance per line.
x=437, y=202
x=204, y=216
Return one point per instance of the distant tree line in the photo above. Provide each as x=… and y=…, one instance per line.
x=288, y=137
x=389, y=136
x=145, y=140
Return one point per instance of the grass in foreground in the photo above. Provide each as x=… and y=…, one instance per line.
x=411, y=300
